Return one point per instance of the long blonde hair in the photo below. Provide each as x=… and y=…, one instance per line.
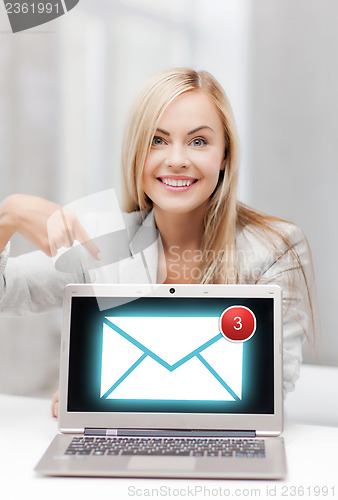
x=221, y=214
x=224, y=214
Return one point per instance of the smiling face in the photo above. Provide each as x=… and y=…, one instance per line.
x=187, y=154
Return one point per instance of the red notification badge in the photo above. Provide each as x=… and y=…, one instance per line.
x=237, y=323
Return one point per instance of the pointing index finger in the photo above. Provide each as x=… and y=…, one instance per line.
x=86, y=241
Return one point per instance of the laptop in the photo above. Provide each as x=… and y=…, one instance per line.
x=170, y=381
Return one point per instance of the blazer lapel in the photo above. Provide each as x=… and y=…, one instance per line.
x=141, y=266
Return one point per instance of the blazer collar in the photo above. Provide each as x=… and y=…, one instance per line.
x=144, y=245
x=144, y=235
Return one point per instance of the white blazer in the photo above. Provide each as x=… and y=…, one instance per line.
x=32, y=282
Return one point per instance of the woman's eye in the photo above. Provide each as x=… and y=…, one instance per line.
x=198, y=142
x=157, y=141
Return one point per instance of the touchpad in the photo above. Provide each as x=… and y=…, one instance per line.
x=161, y=463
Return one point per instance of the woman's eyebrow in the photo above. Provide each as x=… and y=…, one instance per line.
x=197, y=129
x=164, y=132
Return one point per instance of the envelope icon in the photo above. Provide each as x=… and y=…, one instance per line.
x=169, y=358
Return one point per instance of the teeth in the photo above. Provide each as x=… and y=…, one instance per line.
x=176, y=183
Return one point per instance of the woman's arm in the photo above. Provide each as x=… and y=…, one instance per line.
x=44, y=223
x=292, y=270
x=30, y=283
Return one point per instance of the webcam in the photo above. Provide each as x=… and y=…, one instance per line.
x=172, y=290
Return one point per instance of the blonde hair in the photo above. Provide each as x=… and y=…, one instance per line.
x=224, y=214
x=221, y=215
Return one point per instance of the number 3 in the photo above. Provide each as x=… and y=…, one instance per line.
x=238, y=320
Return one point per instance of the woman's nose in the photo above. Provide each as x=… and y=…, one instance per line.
x=177, y=157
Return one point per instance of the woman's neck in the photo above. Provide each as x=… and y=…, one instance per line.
x=181, y=236
x=183, y=230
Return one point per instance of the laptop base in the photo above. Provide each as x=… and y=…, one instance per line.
x=55, y=463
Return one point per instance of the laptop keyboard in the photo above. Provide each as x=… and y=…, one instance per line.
x=200, y=447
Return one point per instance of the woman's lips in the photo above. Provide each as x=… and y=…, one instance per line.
x=177, y=183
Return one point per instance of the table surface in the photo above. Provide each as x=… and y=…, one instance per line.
x=27, y=428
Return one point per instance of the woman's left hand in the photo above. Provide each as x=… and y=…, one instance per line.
x=55, y=404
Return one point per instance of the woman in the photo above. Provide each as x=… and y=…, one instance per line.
x=180, y=165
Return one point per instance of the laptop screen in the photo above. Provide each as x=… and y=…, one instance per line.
x=171, y=355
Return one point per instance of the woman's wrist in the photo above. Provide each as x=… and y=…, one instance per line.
x=3, y=258
x=8, y=222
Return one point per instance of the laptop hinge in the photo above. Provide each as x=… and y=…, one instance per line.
x=100, y=432
x=168, y=433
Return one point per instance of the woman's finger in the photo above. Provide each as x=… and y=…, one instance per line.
x=64, y=228
x=83, y=237
x=55, y=404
